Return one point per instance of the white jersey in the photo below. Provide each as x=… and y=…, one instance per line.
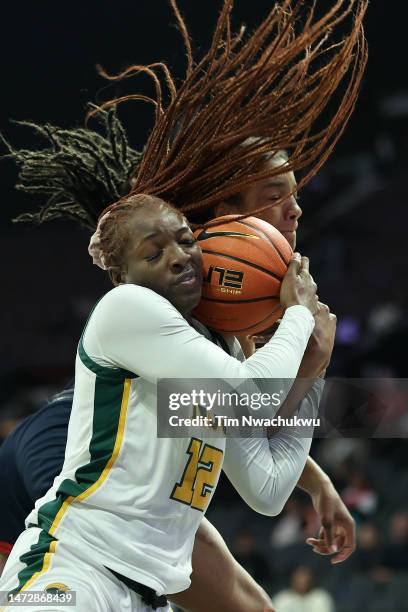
x=129, y=500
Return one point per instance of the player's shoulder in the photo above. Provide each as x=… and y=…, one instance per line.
x=130, y=294
x=128, y=299
x=128, y=291
x=130, y=307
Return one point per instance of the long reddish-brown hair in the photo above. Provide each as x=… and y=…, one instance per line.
x=273, y=84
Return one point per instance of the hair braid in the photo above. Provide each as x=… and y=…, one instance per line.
x=81, y=170
x=274, y=84
x=248, y=98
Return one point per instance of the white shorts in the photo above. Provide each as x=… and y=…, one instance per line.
x=42, y=569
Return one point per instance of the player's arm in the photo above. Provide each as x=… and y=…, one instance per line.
x=137, y=329
x=265, y=471
x=236, y=592
x=337, y=535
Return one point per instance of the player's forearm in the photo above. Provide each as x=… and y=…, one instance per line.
x=282, y=355
x=145, y=332
x=313, y=477
x=292, y=444
x=265, y=472
x=303, y=389
x=265, y=478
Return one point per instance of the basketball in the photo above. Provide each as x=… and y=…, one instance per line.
x=244, y=263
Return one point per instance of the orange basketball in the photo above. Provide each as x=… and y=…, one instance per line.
x=244, y=263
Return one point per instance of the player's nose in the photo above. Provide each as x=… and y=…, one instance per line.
x=292, y=209
x=178, y=258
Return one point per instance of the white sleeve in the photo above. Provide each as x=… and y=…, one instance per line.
x=265, y=472
x=136, y=329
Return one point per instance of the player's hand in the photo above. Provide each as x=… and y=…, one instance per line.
x=337, y=535
x=298, y=286
x=320, y=346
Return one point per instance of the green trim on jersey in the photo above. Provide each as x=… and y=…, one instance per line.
x=96, y=368
x=35, y=560
x=100, y=370
x=108, y=399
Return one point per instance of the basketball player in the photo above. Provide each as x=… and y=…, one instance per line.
x=124, y=508
x=238, y=105
x=34, y=452
x=220, y=185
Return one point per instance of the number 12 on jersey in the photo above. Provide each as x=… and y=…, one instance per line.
x=200, y=475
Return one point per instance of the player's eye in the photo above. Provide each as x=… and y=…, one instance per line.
x=188, y=241
x=154, y=256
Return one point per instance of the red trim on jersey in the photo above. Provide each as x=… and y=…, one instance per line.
x=5, y=547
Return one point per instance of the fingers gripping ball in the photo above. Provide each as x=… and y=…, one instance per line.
x=244, y=263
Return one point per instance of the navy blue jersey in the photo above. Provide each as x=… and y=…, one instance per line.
x=30, y=458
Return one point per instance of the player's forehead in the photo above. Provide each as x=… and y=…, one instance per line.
x=149, y=223
x=285, y=180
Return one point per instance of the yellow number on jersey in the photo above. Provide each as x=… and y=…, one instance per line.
x=200, y=475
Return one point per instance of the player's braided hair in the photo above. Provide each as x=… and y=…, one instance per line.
x=274, y=83
x=82, y=171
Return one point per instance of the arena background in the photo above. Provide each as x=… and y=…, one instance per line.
x=353, y=230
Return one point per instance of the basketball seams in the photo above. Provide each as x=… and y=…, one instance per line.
x=244, y=261
x=230, y=261
x=256, y=325
x=265, y=323
x=253, y=227
x=243, y=301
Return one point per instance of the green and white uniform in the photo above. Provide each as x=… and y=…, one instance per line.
x=125, y=499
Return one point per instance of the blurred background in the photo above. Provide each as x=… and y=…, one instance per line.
x=353, y=230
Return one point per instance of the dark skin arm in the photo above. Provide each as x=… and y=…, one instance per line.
x=218, y=582
x=337, y=535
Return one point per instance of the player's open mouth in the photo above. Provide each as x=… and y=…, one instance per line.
x=187, y=279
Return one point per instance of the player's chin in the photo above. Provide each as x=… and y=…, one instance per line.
x=185, y=299
x=291, y=238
